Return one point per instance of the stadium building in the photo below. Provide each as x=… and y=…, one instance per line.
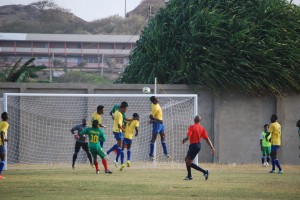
x=68, y=50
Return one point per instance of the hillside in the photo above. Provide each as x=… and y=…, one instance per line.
x=36, y=18
x=143, y=8
x=27, y=18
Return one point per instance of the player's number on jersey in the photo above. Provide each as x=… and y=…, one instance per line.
x=94, y=138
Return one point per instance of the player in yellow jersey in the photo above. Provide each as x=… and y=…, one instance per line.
x=118, y=131
x=3, y=130
x=275, y=132
x=97, y=116
x=131, y=129
x=156, y=118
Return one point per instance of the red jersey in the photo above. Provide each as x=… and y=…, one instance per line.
x=195, y=132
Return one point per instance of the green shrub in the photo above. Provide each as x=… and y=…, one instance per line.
x=252, y=46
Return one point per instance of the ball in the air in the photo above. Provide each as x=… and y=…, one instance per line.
x=146, y=90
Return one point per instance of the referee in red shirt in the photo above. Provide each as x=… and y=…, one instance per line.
x=195, y=132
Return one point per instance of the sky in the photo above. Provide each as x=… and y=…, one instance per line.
x=90, y=10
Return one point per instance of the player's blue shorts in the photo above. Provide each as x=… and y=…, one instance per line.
x=2, y=149
x=119, y=135
x=127, y=141
x=275, y=148
x=157, y=128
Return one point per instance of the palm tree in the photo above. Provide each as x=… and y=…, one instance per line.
x=21, y=73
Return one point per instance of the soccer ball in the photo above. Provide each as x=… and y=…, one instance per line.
x=146, y=90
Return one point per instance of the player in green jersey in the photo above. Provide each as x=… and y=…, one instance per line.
x=96, y=135
x=265, y=146
x=115, y=108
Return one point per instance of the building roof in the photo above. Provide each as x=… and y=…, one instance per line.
x=69, y=38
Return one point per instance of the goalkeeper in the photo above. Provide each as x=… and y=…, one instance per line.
x=81, y=142
x=96, y=135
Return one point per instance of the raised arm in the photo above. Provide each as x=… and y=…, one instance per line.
x=111, y=113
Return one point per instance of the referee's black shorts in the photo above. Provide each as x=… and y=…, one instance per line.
x=194, y=149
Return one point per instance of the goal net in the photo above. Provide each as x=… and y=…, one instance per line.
x=40, y=124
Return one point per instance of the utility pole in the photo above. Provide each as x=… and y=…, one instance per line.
x=150, y=14
x=98, y=61
x=51, y=66
x=102, y=65
x=125, y=9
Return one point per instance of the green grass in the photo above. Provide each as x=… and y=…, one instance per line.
x=225, y=182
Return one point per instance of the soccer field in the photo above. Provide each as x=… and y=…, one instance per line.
x=225, y=182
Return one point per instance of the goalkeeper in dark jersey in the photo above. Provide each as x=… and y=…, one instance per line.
x=96, y=135
x=80, y=142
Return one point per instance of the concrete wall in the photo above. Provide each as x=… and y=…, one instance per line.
x=232, y=120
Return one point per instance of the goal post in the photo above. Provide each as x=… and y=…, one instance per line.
x=40, y=125
x=5, y=110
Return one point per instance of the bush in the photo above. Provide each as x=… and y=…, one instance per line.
x=252, y=46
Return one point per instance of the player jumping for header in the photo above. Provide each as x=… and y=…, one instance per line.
x=156, y=118
x=118, y=131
